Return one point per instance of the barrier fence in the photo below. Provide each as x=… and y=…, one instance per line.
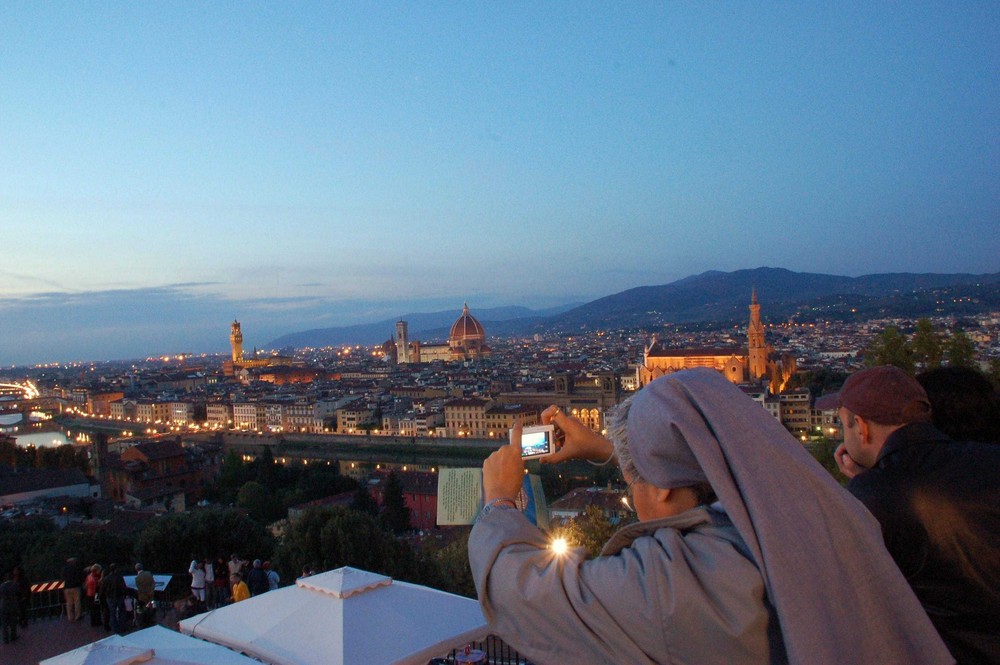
x=46, y=600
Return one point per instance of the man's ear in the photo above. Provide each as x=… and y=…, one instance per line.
x=864, y=429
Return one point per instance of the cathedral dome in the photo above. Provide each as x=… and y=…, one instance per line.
x=466, y=329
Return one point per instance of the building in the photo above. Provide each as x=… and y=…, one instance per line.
x=356, y=417
x=23, y=485
x=419, y=493
x=500, y=418
x=466, y=341
x=575, y=503
x=240, y=362
x=586, y=397
x=151, y=474
x=249, y=416
x=755, y=363
x=466, y=417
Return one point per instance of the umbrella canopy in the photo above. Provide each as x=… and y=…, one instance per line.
x=344, y=616
x=152, y=646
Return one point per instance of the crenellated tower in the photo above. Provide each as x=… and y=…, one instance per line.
x=236, y=342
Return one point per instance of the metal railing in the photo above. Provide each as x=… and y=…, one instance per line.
x=497, y=652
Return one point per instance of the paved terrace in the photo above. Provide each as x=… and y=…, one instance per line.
x=46, y=638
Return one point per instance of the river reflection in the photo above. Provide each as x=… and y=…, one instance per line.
x=42, y=439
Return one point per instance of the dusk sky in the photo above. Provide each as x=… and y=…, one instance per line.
x=166, y=167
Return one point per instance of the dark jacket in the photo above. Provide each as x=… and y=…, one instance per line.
x=257, y=581
x=72, y=574
x=938, y=502
x=113, y=587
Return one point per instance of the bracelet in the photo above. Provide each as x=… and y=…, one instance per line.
x=605, y=462
x=502, y=503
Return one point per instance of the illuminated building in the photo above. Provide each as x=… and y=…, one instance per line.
x=239, y=362
x=756, y=362
x=466, y=341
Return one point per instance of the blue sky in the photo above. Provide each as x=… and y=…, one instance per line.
x=166, y=167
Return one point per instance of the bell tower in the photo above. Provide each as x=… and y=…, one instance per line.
x=236, y=341
x=402, y=343
x=757, y=347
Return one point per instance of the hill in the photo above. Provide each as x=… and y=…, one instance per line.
x=712, y=296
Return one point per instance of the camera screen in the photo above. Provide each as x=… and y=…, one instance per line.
x=535, y=443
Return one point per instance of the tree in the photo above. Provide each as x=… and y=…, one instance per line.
x=259, y=502
x=395, y=515
x=926, y=345
x=961, y=350
x=233, y=475
x=995, y=371
x=364, y=502
x=167, y=542
x=334, y=537
x=890, y=348
x=591, y=531
x=822, y=451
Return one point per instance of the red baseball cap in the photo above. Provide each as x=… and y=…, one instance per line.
x=886, y=395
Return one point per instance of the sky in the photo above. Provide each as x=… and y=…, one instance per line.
x=167, y=167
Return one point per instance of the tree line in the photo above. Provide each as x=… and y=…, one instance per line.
x=926, y=348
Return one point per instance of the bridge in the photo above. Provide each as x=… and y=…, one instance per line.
x=28, y=389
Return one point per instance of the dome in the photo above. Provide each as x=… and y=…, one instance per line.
x=466, y=329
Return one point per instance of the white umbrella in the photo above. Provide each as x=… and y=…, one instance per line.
x=342, y=617
x=154, y=646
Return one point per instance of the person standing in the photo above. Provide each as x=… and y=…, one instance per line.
x=273, y=579
x=112, y=592
x=257, y=578
x=197, y=571
x=209, y=566
x=145, y=587
x=8, y=608
x=72, y=574
x=91, y=585
x=221, y=581
x=23, y=596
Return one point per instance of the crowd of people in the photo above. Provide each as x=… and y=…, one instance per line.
x=746, y=550
x=217, y=582
x=102, y=594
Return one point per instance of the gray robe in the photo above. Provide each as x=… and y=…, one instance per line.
x=676, y=590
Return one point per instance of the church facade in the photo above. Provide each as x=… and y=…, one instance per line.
x=756, y=363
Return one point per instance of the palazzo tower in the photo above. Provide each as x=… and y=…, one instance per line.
x=236, y=341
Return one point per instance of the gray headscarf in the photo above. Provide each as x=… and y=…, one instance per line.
x=838, y=594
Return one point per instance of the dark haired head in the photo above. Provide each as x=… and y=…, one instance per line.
x=964, y=404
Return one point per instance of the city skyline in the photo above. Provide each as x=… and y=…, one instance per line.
x=173, y=166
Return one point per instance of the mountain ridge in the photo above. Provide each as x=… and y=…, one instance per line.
x=711, y=296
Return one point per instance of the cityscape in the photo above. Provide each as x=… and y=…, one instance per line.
x=469, y=389
x=281, y=282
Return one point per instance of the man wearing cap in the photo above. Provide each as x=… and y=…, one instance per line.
x=938, y=502
x=750, y=571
